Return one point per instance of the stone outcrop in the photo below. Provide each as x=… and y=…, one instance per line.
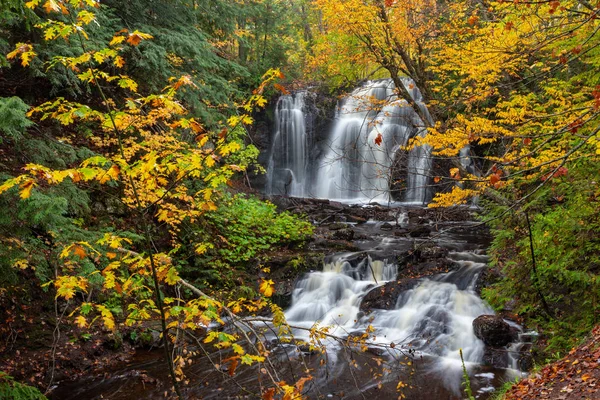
x=492, y=330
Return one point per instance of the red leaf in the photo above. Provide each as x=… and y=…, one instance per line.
x=378, y=139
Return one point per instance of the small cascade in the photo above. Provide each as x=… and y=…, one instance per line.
x=433, y=319
x=332, y=297
x=436, y=316
x=287, y=167
x=373, y=124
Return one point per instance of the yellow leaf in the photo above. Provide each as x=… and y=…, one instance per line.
x=99, y=57
x=26, y=188
x=113, y=171
x=266, y=287
x=116, y=40
x=21, y=264
x=119, y=61
x=81, y=321
x=32, y=4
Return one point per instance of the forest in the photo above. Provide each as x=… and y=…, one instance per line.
x=300, y=199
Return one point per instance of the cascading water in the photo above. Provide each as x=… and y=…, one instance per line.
x=436, y=316
x=287, y=168
x=433, y=319
x=332, y=297
x=373, y=124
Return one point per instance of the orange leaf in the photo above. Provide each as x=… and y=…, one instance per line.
x=585, y=377
x=268, y=394
x=50, y=6
x=119, y=61
x=26, y=189
x=134, y=39
x=79, y=251
x=232, y=366
x=494, y=178
x=280, y=88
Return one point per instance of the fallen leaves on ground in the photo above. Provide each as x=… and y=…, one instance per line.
x=577, y=376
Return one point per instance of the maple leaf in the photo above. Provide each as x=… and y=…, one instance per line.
x=172, y=276
x=113, y=172
x=117, y=40
x=81, y=321
x=473, y=19
x=50, y=6
x=494, y=178
x=79, y=251
x=378, y=139
x=136, y=37
x=268, y=394
x=266, y=287
x=283, y=90
x=26, y=187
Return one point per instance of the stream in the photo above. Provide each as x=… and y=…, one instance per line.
x=415, y=341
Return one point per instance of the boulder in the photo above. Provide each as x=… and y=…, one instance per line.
x=493, y=330
x=343, y=234
x=386, y=226
x=337, y=226
x=385, y=297
x=419, y=231
x=497, y=358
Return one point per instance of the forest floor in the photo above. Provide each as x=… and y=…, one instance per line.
x=576, y=376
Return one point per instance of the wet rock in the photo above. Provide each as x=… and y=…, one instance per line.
x=356, y=218
x=386, y=226
x=344, y=234
x=337, y=226
x=494, y=357
x=431, y=251
x=493, y=330
x=525, y=361
x=419, y=231
x=384, y=297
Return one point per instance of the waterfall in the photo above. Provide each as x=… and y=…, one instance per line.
x=372, y=126
x=365, y=145
x=287, y=168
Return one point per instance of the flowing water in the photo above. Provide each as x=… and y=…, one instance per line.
x=416, y=341
x=372, y=127
x=288, y=160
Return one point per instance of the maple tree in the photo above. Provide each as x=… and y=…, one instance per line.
x=513, y=90
x=163, y=177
